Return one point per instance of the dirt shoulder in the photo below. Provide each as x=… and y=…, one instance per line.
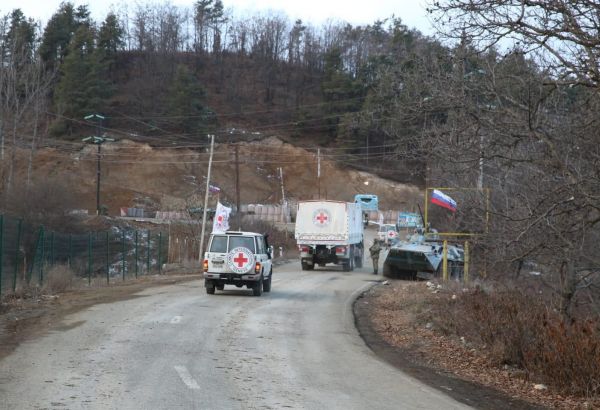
x=389, y=318
x=25, y=318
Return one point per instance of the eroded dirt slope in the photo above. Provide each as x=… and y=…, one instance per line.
x=136, y=174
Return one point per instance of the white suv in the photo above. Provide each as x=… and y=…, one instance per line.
x=240, y=259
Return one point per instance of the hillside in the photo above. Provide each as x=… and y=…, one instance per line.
x=136, y=174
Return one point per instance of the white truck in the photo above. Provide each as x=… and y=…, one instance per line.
x=330, y=232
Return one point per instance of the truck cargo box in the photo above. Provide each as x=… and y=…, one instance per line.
x=328, y=223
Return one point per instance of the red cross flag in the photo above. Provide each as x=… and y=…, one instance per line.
x=240, y=260
x=221, y=221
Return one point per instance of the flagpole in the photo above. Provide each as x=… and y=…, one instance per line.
x=212, y=143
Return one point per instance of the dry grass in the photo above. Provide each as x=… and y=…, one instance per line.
x=59, y=279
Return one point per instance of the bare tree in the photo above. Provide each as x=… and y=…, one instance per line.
x=535, y=128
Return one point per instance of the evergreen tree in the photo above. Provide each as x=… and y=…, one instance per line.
x=110, y=40
x=83, y=87
x=340, y=91
x=186, y=102
x=20, y=38
x=59, y=31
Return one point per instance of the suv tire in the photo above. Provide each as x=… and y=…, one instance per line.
x=258, y=287
x=267, y=283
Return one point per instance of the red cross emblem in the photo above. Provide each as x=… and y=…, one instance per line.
x=220, y=218
x=322, y=218
x=240, y=260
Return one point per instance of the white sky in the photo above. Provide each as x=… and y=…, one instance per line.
x=356, y=12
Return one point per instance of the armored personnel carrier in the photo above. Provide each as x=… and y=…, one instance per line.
x=421, y=258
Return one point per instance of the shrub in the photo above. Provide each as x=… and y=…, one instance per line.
x=519, y=329
x=59, y=279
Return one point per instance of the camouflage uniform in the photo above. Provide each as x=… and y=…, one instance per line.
x=375, y=249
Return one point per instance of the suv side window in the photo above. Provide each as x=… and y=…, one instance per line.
x=260, y=245
x=245, y=241
x=219, y=244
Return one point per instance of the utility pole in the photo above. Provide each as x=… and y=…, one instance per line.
x=319, y=171
x=282, y=190
x=212, y=143
x=283, y=203
x=238, y=214
x=98, y=140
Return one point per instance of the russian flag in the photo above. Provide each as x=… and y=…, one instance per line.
x=443, y=200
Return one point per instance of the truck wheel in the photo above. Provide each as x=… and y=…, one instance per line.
x=306, y=266
x=258, y=287
x=358, y=261
x=211, y=290
x=346, y=266
x=267, y=283
x=220, y=287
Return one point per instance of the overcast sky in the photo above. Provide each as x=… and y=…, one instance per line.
x=357, y=12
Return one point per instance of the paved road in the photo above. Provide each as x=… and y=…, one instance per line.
x=175, y=347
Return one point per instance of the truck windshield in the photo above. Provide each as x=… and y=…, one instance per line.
x=219, y=244
x=245, y=241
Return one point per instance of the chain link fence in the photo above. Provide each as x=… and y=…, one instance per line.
x=27, y=253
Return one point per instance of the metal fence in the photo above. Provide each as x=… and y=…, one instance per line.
x=27, y=253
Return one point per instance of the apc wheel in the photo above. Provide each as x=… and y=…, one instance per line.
x=267, y=283
x=257, y=289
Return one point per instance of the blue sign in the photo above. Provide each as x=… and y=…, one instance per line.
x=409, y=220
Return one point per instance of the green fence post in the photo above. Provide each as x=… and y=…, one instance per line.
x=159, y=251
x=123, y=253
x=107, y=258
x=52, y=249
x=148, y=254
x=1, y=248
x=43, y=243
x=89, y=259
x=19, y=228
x=35, y=252
x=136, y=254
x=70, y=251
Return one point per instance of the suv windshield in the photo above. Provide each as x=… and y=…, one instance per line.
x=219, y=244
x=245, y=241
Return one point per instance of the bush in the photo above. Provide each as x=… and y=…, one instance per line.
x=59, y=279
x=517, y=329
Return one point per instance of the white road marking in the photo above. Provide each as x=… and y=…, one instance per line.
x=176, y=319
x=186, y=377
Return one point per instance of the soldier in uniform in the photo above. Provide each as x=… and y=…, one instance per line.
x=375, y=249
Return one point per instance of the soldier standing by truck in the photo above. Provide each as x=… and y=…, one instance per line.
x=375, y=249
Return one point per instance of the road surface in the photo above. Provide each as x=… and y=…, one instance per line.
x=175, y=347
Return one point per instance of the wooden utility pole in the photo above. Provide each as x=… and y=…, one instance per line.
x=281, y=180
x=98, y=140
x=212, y=143
x=319, y=171
x=238, y=213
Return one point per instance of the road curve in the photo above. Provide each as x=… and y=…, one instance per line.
x=174, y=347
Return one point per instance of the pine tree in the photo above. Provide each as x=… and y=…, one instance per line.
x=83, y=87
x=60, y=30
x=186, y=102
